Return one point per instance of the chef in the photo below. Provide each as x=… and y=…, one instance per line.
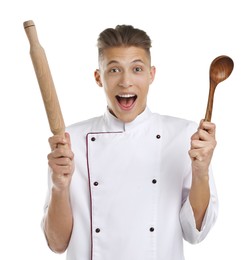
x=131, y=184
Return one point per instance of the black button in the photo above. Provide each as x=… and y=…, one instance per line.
x=158, y=136
x=96, y=183
x=154, y=181
x=151, y=229
x=93, y=139
x=97, y=230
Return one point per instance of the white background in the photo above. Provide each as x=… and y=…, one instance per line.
x=187, y=36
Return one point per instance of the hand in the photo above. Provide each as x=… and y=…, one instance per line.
x=203, y=143
x=61, y=161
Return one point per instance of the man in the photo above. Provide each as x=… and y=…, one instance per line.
x=124, y=186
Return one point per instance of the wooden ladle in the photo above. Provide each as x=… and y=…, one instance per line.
x=220, y=69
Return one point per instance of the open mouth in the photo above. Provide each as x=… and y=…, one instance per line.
x=126, y=101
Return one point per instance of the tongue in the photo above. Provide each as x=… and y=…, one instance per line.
x=126, y=102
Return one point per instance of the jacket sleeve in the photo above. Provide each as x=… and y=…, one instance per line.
x=188, y=224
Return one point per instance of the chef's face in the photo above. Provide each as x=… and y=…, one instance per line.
x=125, y=74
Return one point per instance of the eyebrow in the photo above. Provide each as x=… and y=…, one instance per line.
x=112, y=61
x=117, y=62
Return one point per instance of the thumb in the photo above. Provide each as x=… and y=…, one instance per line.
x=68, y=139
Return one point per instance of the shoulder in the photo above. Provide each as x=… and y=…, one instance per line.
x=174, y=122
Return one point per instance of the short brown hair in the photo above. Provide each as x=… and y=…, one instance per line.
x=125, y=36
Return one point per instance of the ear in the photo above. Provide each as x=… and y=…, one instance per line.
x=152, y=74
x=98, y=78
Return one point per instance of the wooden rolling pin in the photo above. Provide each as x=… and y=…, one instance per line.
x=45, y=80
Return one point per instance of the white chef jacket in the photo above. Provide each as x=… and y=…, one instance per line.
x=129, y=191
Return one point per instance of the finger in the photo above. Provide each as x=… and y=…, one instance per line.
x=196, y=144
x=55, y=164
x=60, y=162
x=195, y=155
x=208, y=126
x=195, y=136
x=202, y=135
x=55, y=140
x=201, y=154
x=61, y=153
x=203, y=148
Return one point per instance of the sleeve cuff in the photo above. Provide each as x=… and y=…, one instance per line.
x=188, y=224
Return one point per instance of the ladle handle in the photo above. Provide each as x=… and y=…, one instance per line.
x=209, y=109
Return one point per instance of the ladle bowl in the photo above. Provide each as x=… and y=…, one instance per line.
x=220, y=69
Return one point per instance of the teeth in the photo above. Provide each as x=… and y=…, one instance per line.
x=126, y=95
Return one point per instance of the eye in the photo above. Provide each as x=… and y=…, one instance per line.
x=114, y=70
x=138, y=69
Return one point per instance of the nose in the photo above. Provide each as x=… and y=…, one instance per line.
x=125, y=80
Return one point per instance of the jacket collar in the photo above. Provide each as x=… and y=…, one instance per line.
x=116, y=125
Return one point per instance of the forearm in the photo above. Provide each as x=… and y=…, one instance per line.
x=58, y=221
x=203, y=143
x=199, y=197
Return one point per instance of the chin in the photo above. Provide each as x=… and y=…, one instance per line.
x=127, y=118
